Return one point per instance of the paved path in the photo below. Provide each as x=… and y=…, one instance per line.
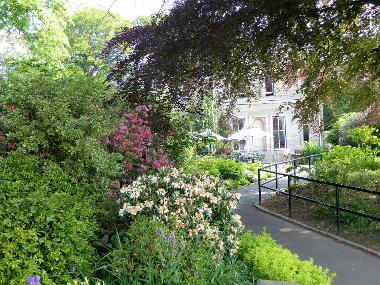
x=352, y=266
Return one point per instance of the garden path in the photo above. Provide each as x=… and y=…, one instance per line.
x=352, y=266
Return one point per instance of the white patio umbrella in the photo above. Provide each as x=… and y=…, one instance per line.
x=248, y=132
x=209, y=133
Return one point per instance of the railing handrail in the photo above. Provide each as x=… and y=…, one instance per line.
x=322, y=182
x=292, y=160
x=290, y=176
x=329, y=205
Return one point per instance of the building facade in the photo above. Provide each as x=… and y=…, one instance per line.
x=273, y=113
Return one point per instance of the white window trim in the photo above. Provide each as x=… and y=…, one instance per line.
x=264, y=90
x=286, y=137
x=244, y=122
x=303, y=133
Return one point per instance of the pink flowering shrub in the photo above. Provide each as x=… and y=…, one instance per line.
x=134, y=139
x=198, y=204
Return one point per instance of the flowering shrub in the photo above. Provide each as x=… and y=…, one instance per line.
x=152, y=252
x=198, y=204
x=61, y=118
x=135, y=141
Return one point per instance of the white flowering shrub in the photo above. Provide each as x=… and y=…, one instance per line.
x=198, y=204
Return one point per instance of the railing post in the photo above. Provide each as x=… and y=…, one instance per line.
x=275, y=169
x=309, y=159
x=294, y=167
x=290, y=197
x=337, y=205
x=259, y=181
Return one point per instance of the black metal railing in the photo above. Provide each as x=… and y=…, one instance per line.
x=301, y=164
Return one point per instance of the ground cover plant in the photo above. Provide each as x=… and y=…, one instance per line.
x=85, y=281
x=268, y=260
x=356, y=167
x=357, y=229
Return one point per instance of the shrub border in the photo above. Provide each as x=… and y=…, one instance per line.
x=332, y=236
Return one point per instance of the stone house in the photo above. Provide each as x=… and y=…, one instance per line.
x=272, y=114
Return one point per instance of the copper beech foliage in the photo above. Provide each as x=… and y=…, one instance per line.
x=204, y=45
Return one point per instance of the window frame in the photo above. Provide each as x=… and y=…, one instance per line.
x=241, y=120
x=242, y=146
x=305, y=132
x=278, y=131
x=268, y=93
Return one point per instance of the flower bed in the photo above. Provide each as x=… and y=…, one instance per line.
x=154, y=252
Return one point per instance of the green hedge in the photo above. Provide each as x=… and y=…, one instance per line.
x=236, y=173
x=269, y=260
x=342, y=161
x=349, y=166
x=311, y=148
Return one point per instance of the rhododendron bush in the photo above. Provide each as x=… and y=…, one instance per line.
x=134, y=139
x=61, y=119
x=198, y=204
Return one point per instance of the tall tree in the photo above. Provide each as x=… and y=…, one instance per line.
x=88, y=33
x=23, y=15
x=225, y=44
x=41, y=26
